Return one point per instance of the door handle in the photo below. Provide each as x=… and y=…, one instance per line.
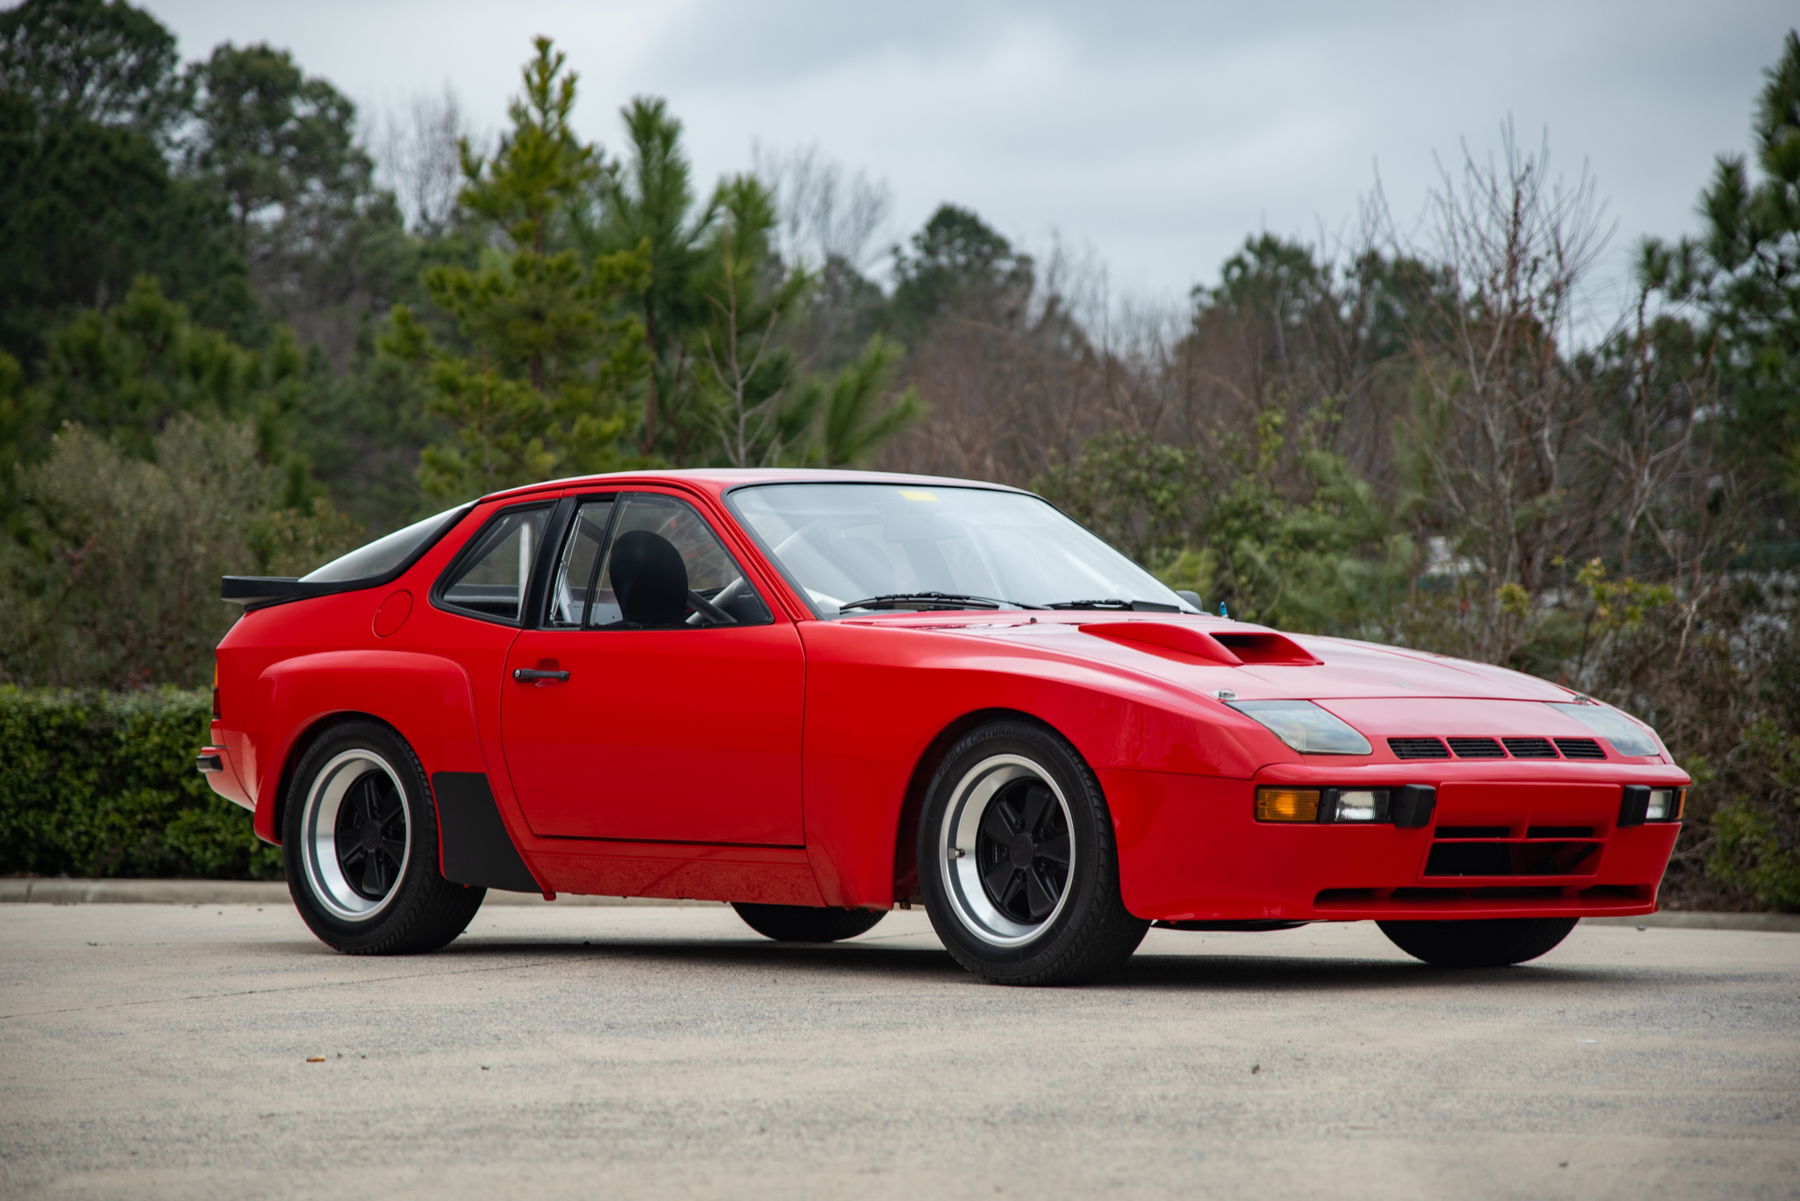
x=529, y=675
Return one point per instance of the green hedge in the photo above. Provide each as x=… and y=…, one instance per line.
x=103, y=784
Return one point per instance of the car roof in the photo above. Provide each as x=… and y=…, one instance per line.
x=717, y=480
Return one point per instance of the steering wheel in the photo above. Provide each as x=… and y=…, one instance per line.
x=710, y=608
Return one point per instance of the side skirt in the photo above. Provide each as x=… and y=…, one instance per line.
x=477, y=848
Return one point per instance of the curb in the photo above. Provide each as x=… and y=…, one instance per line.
x=1688, y=919
x=264, y=892
x=235, y=892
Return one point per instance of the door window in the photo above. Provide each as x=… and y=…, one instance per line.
x=573, y=590
x=663, y=568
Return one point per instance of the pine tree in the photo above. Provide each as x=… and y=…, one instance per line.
x=722, y=313
x=539, y=382
x=1742, y=274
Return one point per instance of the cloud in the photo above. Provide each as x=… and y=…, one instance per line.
x=1159, y=133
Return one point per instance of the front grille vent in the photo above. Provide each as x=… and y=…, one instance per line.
x=1496, y=748
x=1497, y=858
x=1418, y=748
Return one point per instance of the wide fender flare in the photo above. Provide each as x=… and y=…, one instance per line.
x=426, y=698
x=864, y=760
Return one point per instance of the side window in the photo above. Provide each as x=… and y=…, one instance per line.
x=488, y=579
x=665, y=569
x=573, y=589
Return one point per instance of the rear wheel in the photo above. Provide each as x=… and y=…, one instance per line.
x=1483, y=942
x=1017, y=864
x=359, y=837
x=805, y=923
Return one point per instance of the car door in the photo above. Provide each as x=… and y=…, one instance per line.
x=659, y=697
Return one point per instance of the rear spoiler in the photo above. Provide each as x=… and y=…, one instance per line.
x=257, y=591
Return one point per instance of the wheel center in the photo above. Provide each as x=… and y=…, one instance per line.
x=370, y=837
x=1023, y=849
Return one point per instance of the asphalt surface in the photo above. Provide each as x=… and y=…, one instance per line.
x=169, y=1051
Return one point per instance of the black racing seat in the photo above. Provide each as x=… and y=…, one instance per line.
x=649, y=579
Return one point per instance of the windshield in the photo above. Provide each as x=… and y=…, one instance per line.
x=842, y=543
x=386, y=553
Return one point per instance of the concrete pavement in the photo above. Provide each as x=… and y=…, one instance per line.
x=168, y=1051
x=66, y=891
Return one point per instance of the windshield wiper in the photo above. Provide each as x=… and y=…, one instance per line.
x=1114, y=602
x=933, y=600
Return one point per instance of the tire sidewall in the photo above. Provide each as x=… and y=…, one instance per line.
x=422, y=852
x=1090, y=833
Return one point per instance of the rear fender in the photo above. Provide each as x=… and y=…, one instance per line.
x=425, y=698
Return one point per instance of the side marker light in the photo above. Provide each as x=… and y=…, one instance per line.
x=1287, y=804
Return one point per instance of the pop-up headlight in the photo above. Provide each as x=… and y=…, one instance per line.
x=1627, y=735
x=1305, y=727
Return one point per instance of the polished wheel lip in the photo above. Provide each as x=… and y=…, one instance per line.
x=961, y=871
x=319, y=851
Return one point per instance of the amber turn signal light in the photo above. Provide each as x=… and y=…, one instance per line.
x=1287, y=804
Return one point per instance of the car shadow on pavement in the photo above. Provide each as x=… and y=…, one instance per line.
x=1142, y=971
x=751, y=952
x=1312, y=973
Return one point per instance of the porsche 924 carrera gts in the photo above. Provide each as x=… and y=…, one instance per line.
x=819, y=695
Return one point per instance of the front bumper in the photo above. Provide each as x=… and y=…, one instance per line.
x=1504, y=840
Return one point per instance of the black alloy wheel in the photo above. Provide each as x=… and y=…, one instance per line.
x=1023, y=852
x=360, y=843
x=371, y=835
x=1017, y=862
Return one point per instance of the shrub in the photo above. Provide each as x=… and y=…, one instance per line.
x=109, y=576
x=103, y=784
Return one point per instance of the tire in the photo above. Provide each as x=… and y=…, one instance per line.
x=1017, y=862
x=1483, y=942
x=806, y=923
x=360, y=841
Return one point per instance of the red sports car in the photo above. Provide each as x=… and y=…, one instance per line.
x=817, y=695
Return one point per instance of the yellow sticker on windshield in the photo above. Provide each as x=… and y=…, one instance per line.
x=916, y=494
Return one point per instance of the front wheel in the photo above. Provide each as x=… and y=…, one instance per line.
x=807, y=923
x=359, y=839
x=1017, y=863
x=1479, y=942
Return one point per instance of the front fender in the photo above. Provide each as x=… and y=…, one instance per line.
x=874, y=711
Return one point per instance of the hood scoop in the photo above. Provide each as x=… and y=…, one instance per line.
x=1227, y=648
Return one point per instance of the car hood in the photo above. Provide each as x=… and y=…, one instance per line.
x=1207, y=654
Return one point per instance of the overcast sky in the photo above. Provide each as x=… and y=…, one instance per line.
x=1155, y=135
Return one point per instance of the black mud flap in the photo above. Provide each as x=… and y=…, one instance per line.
x=477, y=848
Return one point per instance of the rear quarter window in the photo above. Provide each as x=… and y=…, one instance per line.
x=488, y=579
x=388, y=554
